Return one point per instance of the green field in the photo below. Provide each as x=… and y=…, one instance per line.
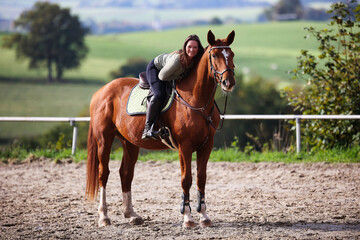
x=40, y=100
x=23, y=92
x=256, y=46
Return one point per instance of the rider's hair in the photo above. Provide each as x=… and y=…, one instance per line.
x=183, y=59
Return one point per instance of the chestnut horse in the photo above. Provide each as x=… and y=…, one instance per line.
x=192, y=120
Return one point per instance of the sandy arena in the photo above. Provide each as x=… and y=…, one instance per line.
x=45, y=200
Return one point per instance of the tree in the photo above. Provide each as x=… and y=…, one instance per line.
x=52, y=37
x=288, y=6
x=333, y=80
x=285, y=10
x=215, y=21
x=132, y=68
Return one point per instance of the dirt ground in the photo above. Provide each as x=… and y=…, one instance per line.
x=45, y=200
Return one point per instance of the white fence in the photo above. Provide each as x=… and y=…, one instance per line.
x=71, y=120
x=297, y=118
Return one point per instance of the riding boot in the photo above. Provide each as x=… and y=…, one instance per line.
x=154, y=108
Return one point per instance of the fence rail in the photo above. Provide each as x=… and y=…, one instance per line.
x=297, y=118
x=71, y=120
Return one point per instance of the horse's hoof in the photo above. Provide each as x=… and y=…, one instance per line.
x=205, y=223
x=189, y=224
x=136, y=221
x=104, y=222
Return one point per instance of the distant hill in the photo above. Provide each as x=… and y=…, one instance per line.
x=165, y=4
x=186, y=4
x=114, y=16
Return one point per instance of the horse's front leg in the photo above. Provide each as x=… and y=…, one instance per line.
x=186, y=181
x=203, y=155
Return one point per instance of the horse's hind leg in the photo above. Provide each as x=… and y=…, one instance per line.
x=130, y=156
x=104, y=147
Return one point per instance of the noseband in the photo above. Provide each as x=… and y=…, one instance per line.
x=212, y=68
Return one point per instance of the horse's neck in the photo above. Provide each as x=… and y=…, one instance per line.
x=197, y=87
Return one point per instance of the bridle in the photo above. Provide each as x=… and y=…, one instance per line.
x=218, y=80
x=212, y=68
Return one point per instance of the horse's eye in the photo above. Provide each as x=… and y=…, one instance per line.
x=214, y=56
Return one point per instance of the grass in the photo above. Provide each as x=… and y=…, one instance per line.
x=256, y=47
x=351, y=155
x=40, y=100
x=24, y=92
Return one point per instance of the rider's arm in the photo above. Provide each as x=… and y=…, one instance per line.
x=172, y=70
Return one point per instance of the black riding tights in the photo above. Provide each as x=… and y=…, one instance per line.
x=157, y=86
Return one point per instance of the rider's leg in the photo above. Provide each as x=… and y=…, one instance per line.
x=153, y=110
x=155, y=103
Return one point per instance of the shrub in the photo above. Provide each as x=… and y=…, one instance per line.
x=333, y=80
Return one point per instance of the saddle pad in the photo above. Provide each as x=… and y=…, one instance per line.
x=136, y=104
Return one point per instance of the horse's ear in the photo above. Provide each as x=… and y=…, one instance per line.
x=211, y=38
x=230, y=37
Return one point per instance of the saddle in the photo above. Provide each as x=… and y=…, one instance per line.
x=143, y=82
x=137, y=100
x=137, y=103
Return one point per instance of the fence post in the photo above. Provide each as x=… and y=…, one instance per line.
x=74, y=140
x=298, y=138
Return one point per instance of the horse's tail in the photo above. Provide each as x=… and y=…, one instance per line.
x=92, y=180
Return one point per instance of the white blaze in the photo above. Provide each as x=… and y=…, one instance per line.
x=226, y=54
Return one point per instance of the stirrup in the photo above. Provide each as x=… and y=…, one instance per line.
x=150, y=134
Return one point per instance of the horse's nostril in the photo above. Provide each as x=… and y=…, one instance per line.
x=226, y=83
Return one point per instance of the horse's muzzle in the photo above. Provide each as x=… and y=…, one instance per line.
x=226, y=85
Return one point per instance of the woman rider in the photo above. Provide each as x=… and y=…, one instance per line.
x=166, y=67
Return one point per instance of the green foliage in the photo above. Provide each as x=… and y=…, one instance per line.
x=333, y=81
x=350, y=155
x=60, y=137
x=52, y=37
x=131, y=68
x=255, y=96
x=17, y=154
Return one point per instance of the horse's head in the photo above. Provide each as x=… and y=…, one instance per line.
x=221, y=66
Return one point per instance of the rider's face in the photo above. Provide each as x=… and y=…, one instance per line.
x=192, y=48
